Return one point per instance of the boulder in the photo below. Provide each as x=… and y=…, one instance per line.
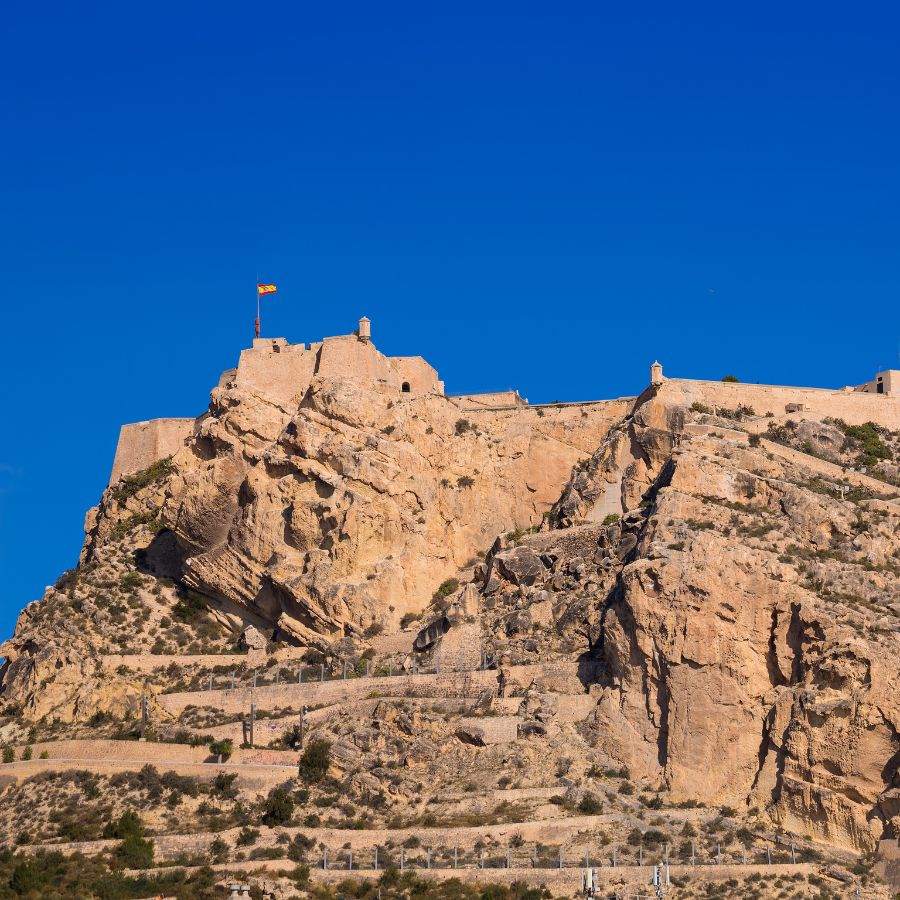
x=251, y=639
x=521, y=566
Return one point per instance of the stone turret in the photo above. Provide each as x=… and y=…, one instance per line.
x=656, y=375
x=364, y=332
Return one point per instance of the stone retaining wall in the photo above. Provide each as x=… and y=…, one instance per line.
x=158, y=754
x=268, y=697
x=251, y=777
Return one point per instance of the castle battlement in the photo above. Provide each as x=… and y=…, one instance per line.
x=283, y=372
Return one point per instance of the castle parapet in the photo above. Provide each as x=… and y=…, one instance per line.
x=143, y=443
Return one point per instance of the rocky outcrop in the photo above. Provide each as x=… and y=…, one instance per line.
x=349, y=510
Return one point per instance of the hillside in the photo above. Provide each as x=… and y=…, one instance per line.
x=651, y=629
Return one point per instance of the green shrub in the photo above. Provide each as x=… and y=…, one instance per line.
x=699, y=407
x=131, y=484
x=135, y=852
x=8, y=754
x=731, y=379
x=464, y=425
x=611, y=518
x=447, y=588
x=190, y=607
x=465, y=481
x=247, y=836
x=589, y=805
x=278, y=809
x=27, y=753
x=218, y=850
x=223, y=748
x=315, y=760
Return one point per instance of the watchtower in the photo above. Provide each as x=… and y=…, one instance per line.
x=364, y=332
x=656, y=375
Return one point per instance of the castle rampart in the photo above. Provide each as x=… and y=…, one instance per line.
x=282, y=373
x=143, y=443
x=852, y=406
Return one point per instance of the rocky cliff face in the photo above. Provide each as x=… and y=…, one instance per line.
x=746, y=648
x=733, y=615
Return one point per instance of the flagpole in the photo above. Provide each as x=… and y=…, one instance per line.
x=257, y=305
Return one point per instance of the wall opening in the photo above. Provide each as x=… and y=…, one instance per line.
x=405, y=387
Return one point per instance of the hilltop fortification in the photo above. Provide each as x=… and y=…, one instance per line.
x=621, y=628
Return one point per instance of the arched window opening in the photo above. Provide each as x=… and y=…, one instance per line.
x=405, y=387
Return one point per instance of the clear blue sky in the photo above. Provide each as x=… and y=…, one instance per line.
x=541, y=196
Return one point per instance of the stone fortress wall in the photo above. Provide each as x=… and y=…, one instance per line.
x=142, y=443
x=283, y=372
x=853, y=406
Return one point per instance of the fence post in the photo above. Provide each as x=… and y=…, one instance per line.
x=233, y=674
x=640, y=856
x=718, y=854
x=769, y=855
x=368, y=667
x=507, y=857
x=324, y=857
x=252, y=721
x=254, y=677
x=614, y=857
x=482, y=859
x=560, y=855
x=345, y=669
x=454, y=857
x=210, y=682
x=793, y=856
x=322, y=672
x=376, y=857
x=402, y=859
x=428, y=858
x=350, y=864
x=300, y=676
x=693, y=853
x=278, y=676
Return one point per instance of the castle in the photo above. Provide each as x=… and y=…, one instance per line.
x=283, y=372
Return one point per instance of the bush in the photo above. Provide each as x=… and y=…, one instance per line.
x=129, y=823
x=731, y=379
x=131, y=484
x=315, y=760
x=755, y=440
x=699, y=407
x=611, y=518
x=247, y=836
x=135, y=852
x=8, y=754
x=278, y=809
x=464, y=425
x=27, y=753
x=589, y=805
x=218, y=850
x=300, y=875
x=447, y=588
x=190, y=607
x=223, y=748
x=130, y=582
x=465, y=481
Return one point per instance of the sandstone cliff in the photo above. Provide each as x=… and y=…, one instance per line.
x=671, y=595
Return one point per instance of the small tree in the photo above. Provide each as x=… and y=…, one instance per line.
x=278, y=809
x=315, y=760
x=218, y=851
x=135, y=852
x=8, y=754
x=223, y=749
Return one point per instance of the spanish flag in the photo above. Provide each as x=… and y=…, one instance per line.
x=265, y=289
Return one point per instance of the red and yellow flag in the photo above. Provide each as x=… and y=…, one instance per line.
x=266, y=289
